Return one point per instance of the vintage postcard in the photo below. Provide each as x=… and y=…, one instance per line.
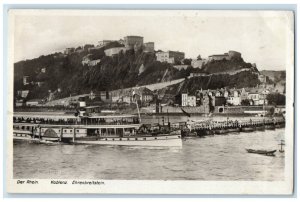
x=150, y=101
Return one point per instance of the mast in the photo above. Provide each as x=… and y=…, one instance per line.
x=169, y=125
x=264, y=113
x=137, y=106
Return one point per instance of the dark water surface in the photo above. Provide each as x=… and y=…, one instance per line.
x=220, y=157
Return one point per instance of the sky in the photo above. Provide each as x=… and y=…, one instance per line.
x=264, y=38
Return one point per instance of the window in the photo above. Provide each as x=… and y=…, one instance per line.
x=77, y=130
x=136, y=139
x=65, y=131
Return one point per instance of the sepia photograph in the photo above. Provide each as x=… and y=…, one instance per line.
x=150, y=101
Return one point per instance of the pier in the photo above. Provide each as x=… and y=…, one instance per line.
x=205, y=128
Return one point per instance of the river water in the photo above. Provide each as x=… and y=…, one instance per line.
x=219, y=157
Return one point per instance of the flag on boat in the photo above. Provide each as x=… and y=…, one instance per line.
x=185, y=113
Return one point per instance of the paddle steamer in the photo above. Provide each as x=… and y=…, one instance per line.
x=90, y=126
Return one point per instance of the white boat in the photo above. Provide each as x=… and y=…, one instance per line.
x=92, y=127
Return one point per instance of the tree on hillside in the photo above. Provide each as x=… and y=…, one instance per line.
x=269, y=81
x=276, y=99
x=87, y=46
x=187, y=61
x=245, y=102
x=78, y=48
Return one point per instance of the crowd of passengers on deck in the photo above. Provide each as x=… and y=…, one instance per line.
x=68, y=121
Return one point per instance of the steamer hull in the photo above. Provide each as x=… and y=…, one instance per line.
x=159, y=141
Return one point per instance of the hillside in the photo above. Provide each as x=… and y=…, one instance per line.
x=275, y=76
x=65, y=75
x=239, y=80
x=226, y=66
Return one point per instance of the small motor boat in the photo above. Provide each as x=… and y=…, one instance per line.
x=262, y=152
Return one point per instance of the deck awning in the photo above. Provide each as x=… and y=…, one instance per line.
x=46, y=116
x=112, y=116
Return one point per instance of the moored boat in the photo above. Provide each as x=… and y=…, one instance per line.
x=186, y=133
x=247, y=129
x=96, y=128
x=204, y=132
x=233, y=130
x=270, y=127
x=262, y=152
x=220, y=131
x=279, y=125
x=260, y=128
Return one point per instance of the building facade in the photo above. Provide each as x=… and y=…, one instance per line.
x=104, y=42
x=149, y=47
x=184, y=98
x=86, y=59
x=22, y=93
x=262, y=78
x=114, y=51
x=198, y=63
x=180, y=67
x=145, y=94
x=191, y=101
x=94, y=49
x=234, y=54
x=133, y=42
x=188, y=100
x=34, y=102
x=195, y=74
x=26, y=80
x=170, y=56
x=234, y=100
x=226, y=56
x=94, y=62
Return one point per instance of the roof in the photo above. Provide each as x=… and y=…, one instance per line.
x=255, y=90
x=116, y=48
x=129, y=91
x=143, y=90
x=46, y=116
x=134, y=36
x=35, y=100
x=87, y=56
x=90, y=107
x=113, y=116
x=226, y=54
